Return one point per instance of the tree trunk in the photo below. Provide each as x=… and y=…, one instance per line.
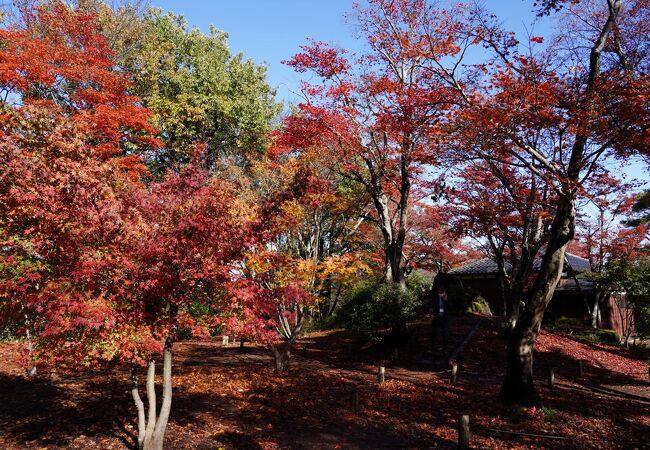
x=393, y=238
x=151, y=430
x=165, y=408
x=595, y=310
x=151, y=399
x=139, y=404
x=517, y=287
x=281, y=355
x=395, y=265
x=518, y=384
x=31, y=370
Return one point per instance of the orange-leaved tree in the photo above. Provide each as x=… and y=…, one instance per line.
x=561, y=112
x=95, y=264
x=374, y=118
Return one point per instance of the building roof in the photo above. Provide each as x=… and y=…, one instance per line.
x=483, y=266
x=487, y=266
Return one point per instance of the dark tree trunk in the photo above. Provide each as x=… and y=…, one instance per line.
x=518, y=384
x=281, y=355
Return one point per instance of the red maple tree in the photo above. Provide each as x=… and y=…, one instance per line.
x=561, y=116
x=374, y=117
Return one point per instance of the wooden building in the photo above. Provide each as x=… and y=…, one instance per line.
x=573, y=296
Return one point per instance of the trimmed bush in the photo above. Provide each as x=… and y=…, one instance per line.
x=381, y=308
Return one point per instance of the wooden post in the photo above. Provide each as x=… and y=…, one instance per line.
x=551, y=378
x=241, y=343
x=381, y=376
x=580, y=369
x=354, y=400
x=224, y=341
x=463, y=431
x=454, y=371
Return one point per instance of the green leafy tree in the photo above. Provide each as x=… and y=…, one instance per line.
x=629, y=282
x=196, y=88
x=641, y=209
x=199, y=91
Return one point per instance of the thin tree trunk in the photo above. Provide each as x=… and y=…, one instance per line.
x=139, y=404
x=165, y=408
x=151, y=399
x=31, y=370
x=595, y=310
x=151, y=429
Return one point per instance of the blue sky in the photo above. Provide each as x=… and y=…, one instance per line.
x=270, y=31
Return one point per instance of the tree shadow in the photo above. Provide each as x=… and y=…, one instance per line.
x=304, y=409
x=44, y=413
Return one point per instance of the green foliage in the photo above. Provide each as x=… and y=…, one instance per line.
x=420, y=285
x=607, y=336
x=378, y=308
x=480, y=305
x=578, y=330
x=568, y=324
x=462, y=299
x=200, y=92
x=549, y=413
x=633, y=279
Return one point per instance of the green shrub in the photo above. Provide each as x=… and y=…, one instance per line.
x=577, y=329
x=568, y=323
x=381, y=308
x=461, y=298
x=549, y=413
x=608, y=337
x=480, y=305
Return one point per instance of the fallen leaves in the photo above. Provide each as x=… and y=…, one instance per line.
x=234, y=399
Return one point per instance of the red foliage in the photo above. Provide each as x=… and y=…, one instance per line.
x=375, y=117
x=55, y=56
x=95, y=264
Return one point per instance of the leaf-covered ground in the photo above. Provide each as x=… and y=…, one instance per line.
x=232, y=398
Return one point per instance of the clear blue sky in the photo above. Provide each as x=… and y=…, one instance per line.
x=270, y=31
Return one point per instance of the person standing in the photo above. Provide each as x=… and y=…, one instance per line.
x=440, y=323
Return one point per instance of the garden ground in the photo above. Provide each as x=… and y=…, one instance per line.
x=233, y=399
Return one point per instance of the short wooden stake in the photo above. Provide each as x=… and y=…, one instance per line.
x=224, y=341
x=241, y=342
x=354, y=400
x=580, y=369
x=454, y=371
x=381, y=376
x=463, y=431
x=551, y=378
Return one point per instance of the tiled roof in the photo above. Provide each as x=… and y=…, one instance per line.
x=478, y=266
x=488, y=266
x=577, y=263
